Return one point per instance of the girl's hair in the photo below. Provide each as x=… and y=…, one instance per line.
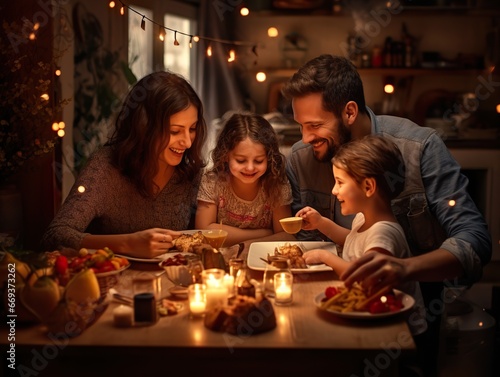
x=142, y=129
x=333, y=76
x=376, y=157
x=241, y=126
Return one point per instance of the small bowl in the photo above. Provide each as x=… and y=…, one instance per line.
x=291, y=225
x=179, y=275
x=215, y=237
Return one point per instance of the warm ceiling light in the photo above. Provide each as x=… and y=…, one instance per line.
x=260, y=76
x=272, y=32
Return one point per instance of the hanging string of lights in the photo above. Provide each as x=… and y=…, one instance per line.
x=192, y=38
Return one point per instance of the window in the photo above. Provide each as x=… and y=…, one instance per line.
x=181, y=58
x=146, y=53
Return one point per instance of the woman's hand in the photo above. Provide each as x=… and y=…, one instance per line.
x=151, y=242
x=376, y=270
x=310, y=218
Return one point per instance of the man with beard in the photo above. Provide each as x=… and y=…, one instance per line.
x=447, y=234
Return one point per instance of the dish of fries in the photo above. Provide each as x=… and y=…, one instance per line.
x=356, y=303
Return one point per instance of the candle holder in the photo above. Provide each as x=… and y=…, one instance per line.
x=283, y=288
x=216, y=290
x=197, y=299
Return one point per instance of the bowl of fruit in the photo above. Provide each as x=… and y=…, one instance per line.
x=103, y=262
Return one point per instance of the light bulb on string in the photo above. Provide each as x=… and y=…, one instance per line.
x=232, y=56
x=196, y=38
x=209, y=50
x=244, y=11
x=161, y=36
x=122, y=11
x=191, y=41
x=176, y=42
x=58, y=72
x=112, y=4
x=143, y=23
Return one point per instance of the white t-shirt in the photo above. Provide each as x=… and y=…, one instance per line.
x=389, y=236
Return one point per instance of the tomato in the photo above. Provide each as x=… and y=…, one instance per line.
x=330, y=292
x=378, y=307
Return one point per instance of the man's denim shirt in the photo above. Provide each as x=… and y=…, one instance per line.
x=424, y=209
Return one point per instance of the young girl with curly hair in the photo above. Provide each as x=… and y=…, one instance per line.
x=246, y=191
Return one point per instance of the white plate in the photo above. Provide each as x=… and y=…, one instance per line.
x=160, y=257
x=406, y=299
x=262, y=249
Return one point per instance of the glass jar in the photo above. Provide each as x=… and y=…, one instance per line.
x=195, y=268
x=276, y=265
x=243, y=284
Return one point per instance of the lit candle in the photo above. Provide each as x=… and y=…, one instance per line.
x=229, y=283
x=283, y=288
x=123, y=316
x=216, y=289
x=283, y=292
x=197, y=299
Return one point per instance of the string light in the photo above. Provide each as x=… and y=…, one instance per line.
x=244, y=11
x=192, y=38
x=57, y=72
x=232, y=56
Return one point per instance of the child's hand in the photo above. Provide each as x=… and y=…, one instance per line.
x=310, y=218
x=315, y=256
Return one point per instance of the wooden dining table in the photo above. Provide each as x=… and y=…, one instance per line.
x=306, y=340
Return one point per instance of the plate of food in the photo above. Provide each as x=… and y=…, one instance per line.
x=355, y=303
x=184, y=243
x=259, y=254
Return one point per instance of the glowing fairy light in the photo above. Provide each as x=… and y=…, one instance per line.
x=272, y=32
x=260, y=76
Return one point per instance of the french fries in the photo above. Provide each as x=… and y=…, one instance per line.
x=353, y=299
x=346, y=299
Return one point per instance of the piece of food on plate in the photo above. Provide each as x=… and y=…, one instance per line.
x=293, y=253
x=185, y=242
x=356, y=299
